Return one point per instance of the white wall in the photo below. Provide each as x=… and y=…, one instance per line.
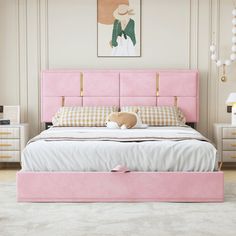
x=42, y=34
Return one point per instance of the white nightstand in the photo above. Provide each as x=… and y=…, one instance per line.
x=225, y=140
x=13, y=139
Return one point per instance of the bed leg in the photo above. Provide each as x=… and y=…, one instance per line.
x=220, y=163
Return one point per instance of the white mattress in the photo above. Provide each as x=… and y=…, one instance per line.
x=165, y=155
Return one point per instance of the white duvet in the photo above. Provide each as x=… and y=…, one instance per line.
x=104, y=155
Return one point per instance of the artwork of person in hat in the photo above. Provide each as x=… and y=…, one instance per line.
x=123, y=35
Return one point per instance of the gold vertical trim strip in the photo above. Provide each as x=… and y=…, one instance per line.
x=157, y=84
x=62, y=101
x=176, y=101
x=81, y=84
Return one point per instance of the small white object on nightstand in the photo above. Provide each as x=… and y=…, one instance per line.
x=12, y=113
x=13, y=139
x=231, y=101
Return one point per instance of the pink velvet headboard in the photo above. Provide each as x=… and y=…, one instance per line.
x=120, y=88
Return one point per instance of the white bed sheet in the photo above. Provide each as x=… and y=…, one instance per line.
x=166, y=155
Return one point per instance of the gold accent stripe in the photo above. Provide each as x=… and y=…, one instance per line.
x=81, y=85
x=176, y=101
x=233, y=157
x=5, y=144
x=157, y=84
x=234, y=133
x=5, y=133
x=5, y=156
x=63, y=101
x=233, y=145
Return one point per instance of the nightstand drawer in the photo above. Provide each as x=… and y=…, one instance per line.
x=229, y=145
x=229, y=133
x=9, y=156
x=9, y=144
x=9, y=133
x=229, y=156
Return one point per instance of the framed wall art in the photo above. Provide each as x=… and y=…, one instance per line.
x=119, y=28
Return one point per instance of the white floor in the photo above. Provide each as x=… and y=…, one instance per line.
x=118, y=219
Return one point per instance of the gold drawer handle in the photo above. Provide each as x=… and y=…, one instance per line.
x=234, y=133
x=233, y=145
x=5, y=144
x=5, y=156
x=5, y=133
x=233, y=157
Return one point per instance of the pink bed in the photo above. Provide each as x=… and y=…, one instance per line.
x=120, y=88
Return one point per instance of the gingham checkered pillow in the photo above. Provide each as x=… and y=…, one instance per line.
x=82, y=116
x=158, y=115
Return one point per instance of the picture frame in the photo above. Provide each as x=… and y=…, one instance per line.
x=119, y=28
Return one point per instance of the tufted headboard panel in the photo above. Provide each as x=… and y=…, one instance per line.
x=120, y=88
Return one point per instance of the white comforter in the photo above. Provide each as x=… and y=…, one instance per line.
x=86, y=155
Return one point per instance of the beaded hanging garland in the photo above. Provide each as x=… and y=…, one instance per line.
x=221, y=63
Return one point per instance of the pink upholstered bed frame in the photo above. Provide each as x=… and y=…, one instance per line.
x=120, y=88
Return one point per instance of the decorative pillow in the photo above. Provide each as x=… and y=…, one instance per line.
x=159, y=115
x=125, y=120
x=82, y=116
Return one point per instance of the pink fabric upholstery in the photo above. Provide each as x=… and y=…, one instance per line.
x=186, y=85
x=165, y=101
x=101, y=84
x=73, y=101
x=133, y=84
x=120, y=87
x=98, y=101
x=121, y=187
x=55, y=84
x=185, y=103
x=50, y=105
x=138, y=101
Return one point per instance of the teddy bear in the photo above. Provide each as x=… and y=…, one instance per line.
x=124, y=120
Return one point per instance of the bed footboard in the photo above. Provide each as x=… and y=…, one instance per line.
x=120, y=187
